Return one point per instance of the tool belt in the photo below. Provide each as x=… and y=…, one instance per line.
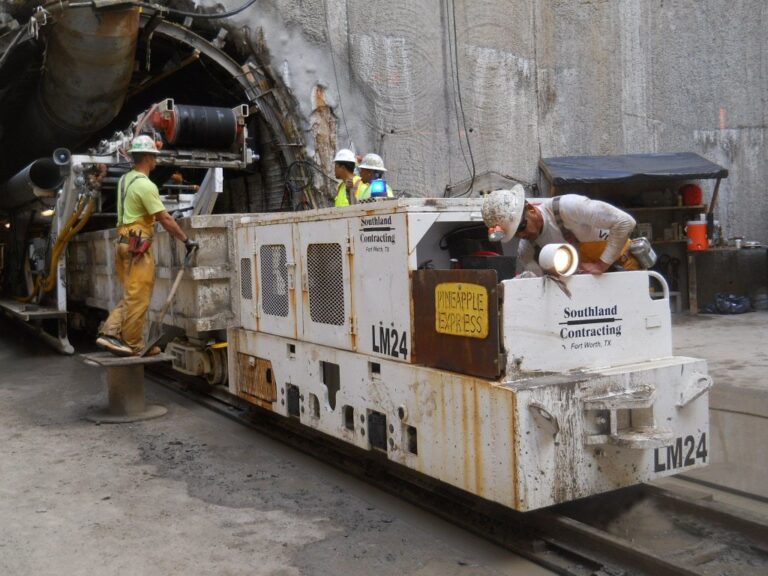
x=136, y=244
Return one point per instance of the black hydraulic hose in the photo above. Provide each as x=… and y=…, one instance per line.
x=213, y=16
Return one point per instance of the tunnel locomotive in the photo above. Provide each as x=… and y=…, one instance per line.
x=370, y=323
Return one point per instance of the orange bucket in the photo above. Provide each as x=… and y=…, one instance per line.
x=697, y=235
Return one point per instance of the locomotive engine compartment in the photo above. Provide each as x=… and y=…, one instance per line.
x=515, y=390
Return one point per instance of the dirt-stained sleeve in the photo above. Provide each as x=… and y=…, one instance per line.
x=597, y=214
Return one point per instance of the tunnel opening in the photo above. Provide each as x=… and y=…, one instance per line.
x=200, y=64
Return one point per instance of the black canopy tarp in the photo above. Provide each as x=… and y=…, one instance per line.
x=629, y=168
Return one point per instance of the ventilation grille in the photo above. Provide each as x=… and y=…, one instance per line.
x=274, y=280
x=326, y=283
x=246, y=281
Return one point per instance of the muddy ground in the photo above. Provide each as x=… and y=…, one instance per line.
x=191, y=493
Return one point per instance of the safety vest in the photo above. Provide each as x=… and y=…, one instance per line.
x=341, y=192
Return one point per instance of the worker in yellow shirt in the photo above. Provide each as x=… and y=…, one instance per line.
x=371, y=169
x=344, y=169
x=138, y=208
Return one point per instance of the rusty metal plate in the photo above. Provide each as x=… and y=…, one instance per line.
x=456, y=321
x=257, y=380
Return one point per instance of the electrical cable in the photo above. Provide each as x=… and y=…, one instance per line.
x=245, y=6
x=12, y=45
x=335, y=75
x=443, y=245
x=453, y=88
x=288, y=184
x=74, y=224
x=461, y=102
x=176, y=12
x=310, y=164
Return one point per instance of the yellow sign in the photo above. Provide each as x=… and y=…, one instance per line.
x=461, y=309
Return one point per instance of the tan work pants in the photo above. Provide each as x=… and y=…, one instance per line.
x=126, y=321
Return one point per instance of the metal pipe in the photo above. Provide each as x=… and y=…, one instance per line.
x=90, y=57
x=37, y=181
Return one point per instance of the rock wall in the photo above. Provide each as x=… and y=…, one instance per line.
x=537, y=78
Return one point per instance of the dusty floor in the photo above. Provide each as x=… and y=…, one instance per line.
x=191, y=493
x=735, y=346
x=194, y=493
x=736, y=350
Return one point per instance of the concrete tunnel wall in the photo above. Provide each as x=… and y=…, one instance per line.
x=538, y=78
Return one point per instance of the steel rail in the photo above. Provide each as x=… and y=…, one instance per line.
x=750, y=525
x=492, y=522
x=550, y=537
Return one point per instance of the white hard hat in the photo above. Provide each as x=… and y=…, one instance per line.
x=345, y=155
x=143, y=144
x=505, y=208
x=373, y=162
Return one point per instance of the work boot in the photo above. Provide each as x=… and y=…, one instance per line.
x=114, y=345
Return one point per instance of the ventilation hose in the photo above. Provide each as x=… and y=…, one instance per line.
x=74, y=224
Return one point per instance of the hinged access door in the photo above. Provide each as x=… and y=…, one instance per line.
x=243, y=288
x=326, y=299
x=274, y=259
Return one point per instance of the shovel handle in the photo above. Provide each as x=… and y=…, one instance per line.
x=175, y=286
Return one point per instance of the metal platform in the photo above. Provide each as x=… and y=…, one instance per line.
x=109, y=360
x=125, y=387
x=26, y=312
x=30, y=317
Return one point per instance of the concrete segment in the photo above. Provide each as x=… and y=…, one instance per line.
x=191, y=493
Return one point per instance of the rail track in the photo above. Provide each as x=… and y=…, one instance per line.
x=642, y=530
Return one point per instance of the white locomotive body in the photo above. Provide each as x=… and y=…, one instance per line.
x=526, y=392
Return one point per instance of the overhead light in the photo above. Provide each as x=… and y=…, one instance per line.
x=47, y=212
x=560, y=259
x=7, y=224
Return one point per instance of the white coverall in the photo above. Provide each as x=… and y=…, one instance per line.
x=602, y=230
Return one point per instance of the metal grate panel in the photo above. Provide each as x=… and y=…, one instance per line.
x=246, y=280
x=325, y=280
x=274, y=280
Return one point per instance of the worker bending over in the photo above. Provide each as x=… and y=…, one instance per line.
x=344, y=169
x=600, y=232
x=138, y=208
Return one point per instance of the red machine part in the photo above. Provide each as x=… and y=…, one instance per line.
x=197, y=126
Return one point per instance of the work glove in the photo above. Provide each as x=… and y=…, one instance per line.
x=191, y=245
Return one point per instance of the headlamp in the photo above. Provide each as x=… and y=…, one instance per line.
x=495, y=234
x=560, y=259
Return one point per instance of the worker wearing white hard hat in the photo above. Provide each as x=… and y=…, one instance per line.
x=344, y=169
x=600, y=232
x=371, y=168
x=138, y=208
